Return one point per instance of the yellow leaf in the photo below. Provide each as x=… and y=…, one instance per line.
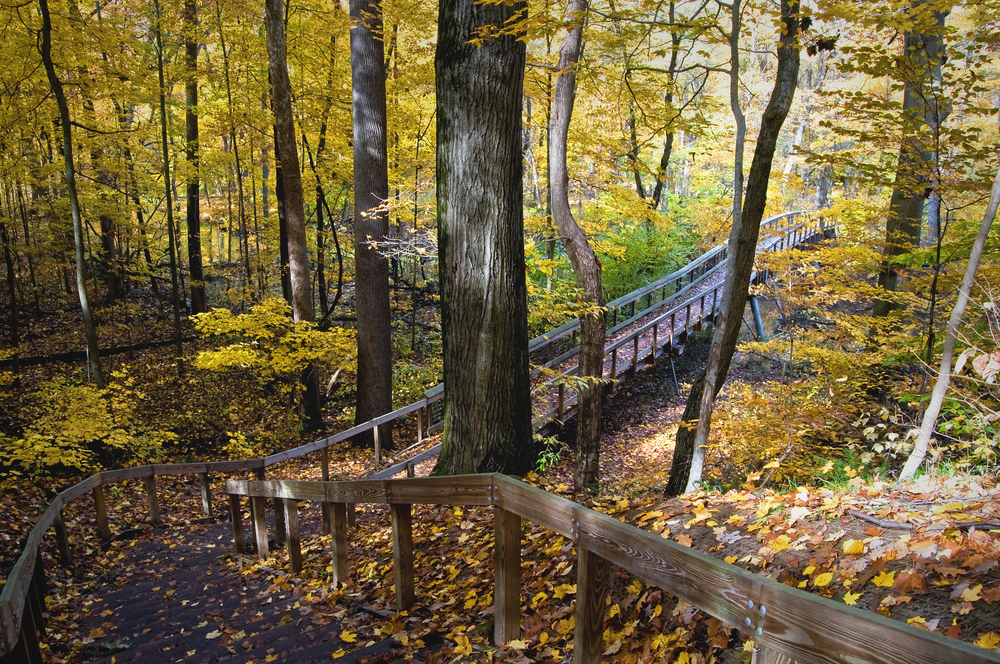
x=988, y=640
x=213, y=635
x=972, y=594
x=683, y=658
x=519, y=644
x=851, y=598
x=338, y=654
x=271, y=658
x=853, y=547
x=730, y=559
x=464, y=647
x=348, y=637
x=823, y=579
x=884, y=579
x=636, y=587
x=808, y=570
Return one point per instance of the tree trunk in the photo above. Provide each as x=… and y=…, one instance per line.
x=487, y=421
x=93, y=354
x=175, y=297
x=288, y=157
x=586, y=266
x=951, y=333
x=371, y=221
x=743, y=238
x=198, y=303
x=921, y=66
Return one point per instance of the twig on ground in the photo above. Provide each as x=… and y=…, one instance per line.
x=881, y=523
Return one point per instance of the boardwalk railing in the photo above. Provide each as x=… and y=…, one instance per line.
x=787, y=625
x=22, y=597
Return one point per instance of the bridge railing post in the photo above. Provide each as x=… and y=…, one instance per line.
x=591, y=591
x=402, y=554
x=507, y=566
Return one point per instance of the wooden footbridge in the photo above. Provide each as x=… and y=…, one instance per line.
x=787, y=625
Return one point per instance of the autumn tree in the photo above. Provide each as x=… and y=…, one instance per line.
x=371, y=218
x=198, y=304
x=689, y=450
x=586, y=266
x=479, y=78
x=287, y=145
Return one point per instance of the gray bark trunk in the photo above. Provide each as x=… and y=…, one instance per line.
x=487, y=422
x=586, y=266
x=198, y=303
x=371, y=221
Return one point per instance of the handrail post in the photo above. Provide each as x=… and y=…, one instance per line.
x=338, y=543
x=591, y=591
x=101, y=512
x=325, y=506
x=507, y=566
x=260, y=526
x=154, y=505
x=402, y=554
x=280, y=530
x=236, y=515
x=206, y=493
x=294, y=543
x=62, y=539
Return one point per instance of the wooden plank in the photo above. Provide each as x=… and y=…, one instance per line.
x=260, y=527
x=324, y=464
x=139, y=472
x=507, y=572
x=8, y=632
x=236, y=516
x=234, y=466
x=591, y=592
x=154, y=504
x=206, y=493
x=80, y=488
x=338, y=543
x=400, y=467
x=709, y=584
x=167, y=469
x=768, y=656
x=451, y=490
x=101, y=513
x=62, y=540
x=15, y=591
x=294, y=543
x=814, y=630
x=402, y=554
x=280, y=532
x=32, y=650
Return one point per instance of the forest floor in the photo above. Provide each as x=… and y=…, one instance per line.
x=926, y=553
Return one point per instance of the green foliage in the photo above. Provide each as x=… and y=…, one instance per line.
x=71, y=426
x=552, y=450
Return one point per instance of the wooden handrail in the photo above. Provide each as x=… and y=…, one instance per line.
x=23, y=584
x=783, y=621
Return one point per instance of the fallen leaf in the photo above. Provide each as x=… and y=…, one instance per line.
x=884, y=579
x=851, y=598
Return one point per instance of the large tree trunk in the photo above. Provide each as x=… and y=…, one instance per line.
x=689, y=450
x=198, y=303
x=487, y=421
x=295, y=223
x=93, y=354
x=586, y=266
x=951, y=333
x=371, y=221
x=921, y=66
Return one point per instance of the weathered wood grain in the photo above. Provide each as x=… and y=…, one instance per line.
x=101, y=513
x=62, y=540
x=451, y=490
x=507, y=570
x=814, y=630
x=280, y=531
x=402, y=554
x=396, y=469
x=8, y=631
x=80, y=488
x=236, y=516
x=591, y=591
x=206, y=493
x=151, y=500
x=338, y=543
x=294, y=542
x=260, y=527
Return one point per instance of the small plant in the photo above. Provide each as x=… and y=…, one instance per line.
x=551, y=453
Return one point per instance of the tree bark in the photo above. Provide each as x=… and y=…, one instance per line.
x=288, y=157
x=487, y=421
x=951, y=333
x=586, y=265
x=689, y=450
x=371, y=221
x=198, y=303
x=920, y=64
x=93, y=353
